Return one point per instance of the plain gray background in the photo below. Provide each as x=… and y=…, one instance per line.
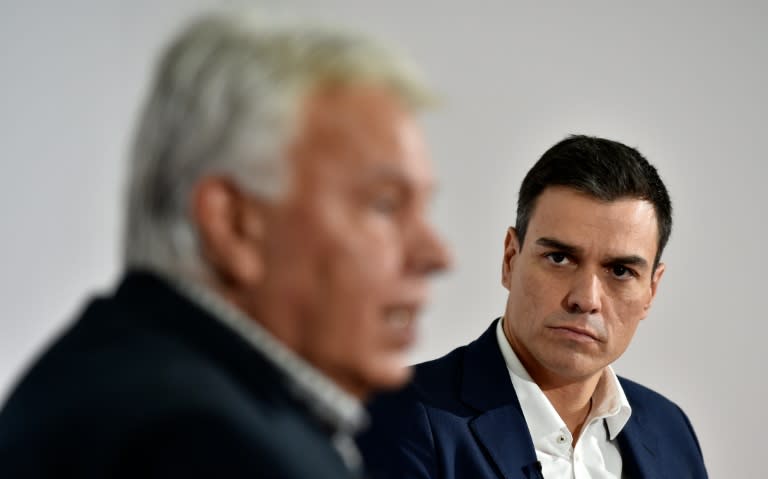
x=686, y=83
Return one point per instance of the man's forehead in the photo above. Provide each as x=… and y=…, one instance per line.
x=557, y=203
x=328, y=106
x=366, y=131
x=582, y=220
x=349, y=117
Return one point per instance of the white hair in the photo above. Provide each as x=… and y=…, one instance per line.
x=224, y=101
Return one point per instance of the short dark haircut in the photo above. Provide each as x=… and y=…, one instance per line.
x=605, y=169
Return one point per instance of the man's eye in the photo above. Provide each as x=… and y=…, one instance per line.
x=621, y=272
x=385, y=204
x=558, y=258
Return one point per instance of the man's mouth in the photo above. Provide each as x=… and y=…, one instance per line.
x=576, y=333
x=399, y=317
x=401, y=324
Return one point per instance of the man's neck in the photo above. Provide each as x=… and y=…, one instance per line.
x=572, y=401
x=571, y=397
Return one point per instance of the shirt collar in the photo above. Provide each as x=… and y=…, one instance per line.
x=324, y=399
x=608, y=401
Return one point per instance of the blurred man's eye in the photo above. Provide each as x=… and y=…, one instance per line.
x=386, y=200
x=386, y=203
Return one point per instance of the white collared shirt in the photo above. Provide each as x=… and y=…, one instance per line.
x=596, y=455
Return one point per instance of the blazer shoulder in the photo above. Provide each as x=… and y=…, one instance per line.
x=129, y=388
x=111, y=362
x=660, y=413
x=400, y=441
x=438, y=375
x=433, y=381
x=643, y=397
x=666, y=427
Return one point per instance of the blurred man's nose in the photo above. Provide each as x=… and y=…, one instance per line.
x=427, y=253
x=585, y=293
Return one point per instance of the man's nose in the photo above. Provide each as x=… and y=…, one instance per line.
x=585, y=293
x=427, y=253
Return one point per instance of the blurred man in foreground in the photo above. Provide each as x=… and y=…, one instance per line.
x=277, y=252
x=535, y=396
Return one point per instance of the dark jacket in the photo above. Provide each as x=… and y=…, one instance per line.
x=146, y=384
x=460, y=418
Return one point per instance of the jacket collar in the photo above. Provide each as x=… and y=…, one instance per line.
x=639, y=444
x=500, y=425
x=501, y=429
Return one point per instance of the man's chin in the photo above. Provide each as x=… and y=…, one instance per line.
x=388, y=379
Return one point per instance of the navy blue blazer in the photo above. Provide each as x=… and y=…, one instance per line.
x=460, y=418
x=146, y=384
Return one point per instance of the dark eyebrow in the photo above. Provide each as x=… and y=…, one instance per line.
x=558, y=245
x=633, y=260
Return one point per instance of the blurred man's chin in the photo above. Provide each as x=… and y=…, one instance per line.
x=390, y=378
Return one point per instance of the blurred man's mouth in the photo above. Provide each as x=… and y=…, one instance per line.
x=399, y=318
x=401, y=322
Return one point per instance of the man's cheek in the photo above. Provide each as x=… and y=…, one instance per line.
x=371, y=263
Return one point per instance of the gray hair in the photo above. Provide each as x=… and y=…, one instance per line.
x=224, y=101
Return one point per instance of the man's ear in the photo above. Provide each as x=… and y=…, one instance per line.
x=230, y=227
x=656, y=278
x=511, y=250
x=657, y=274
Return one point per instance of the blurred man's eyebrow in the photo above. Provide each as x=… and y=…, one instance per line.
x=396, y=177
x=387, y=174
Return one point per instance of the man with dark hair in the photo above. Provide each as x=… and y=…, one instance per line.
x=535, y=396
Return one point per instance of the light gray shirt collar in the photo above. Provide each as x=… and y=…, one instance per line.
x=343, y=412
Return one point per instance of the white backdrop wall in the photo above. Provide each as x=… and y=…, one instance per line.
x=684, y=82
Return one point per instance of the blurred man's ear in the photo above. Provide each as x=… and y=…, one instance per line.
x=511, y=250
x=230, y=227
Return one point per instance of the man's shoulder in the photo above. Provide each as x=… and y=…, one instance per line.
x=443, y=382
x=105, y=364
x=664, y=426
x=126, y=362
x=658, y=413
x=439, y=374
x=115, y=381
x=646, y=400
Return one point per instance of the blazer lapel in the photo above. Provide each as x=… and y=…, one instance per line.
x=500, y=431
x=500, y=427
x=638, y=450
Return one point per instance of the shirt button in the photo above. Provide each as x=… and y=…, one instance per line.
x=561, y=439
